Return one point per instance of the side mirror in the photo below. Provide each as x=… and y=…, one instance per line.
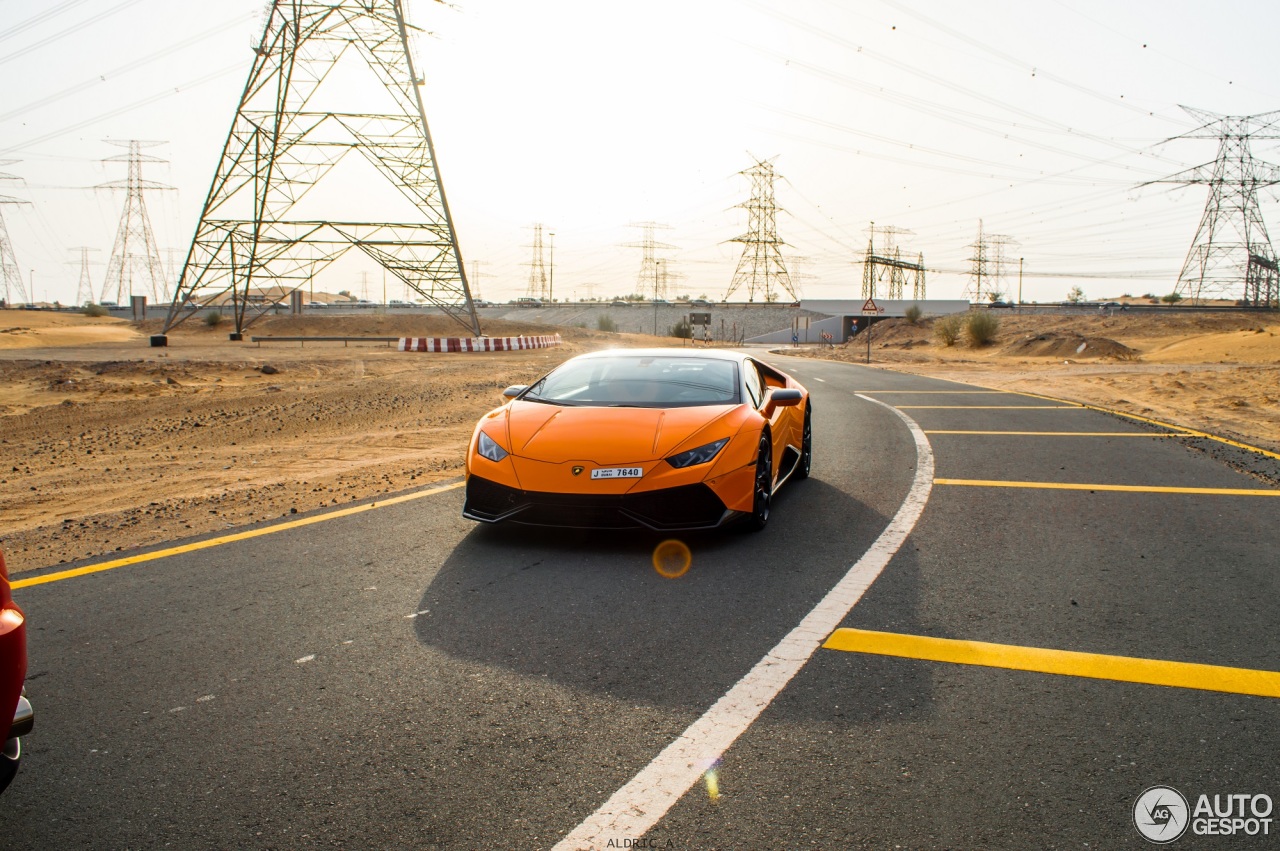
x=781, y=399
x=514, y=390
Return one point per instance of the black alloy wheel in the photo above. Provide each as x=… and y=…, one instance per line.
x=9, y=759
x=762, y=497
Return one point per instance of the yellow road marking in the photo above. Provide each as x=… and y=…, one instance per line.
x=1064, y=662
x=227, y=539
x=995, y=407
x=1071, y=486
x=1073, y=433
x=1191, y=432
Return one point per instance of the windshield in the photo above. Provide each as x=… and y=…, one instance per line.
x=640, y=382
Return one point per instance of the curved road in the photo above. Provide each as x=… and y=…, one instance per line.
x=400, y=678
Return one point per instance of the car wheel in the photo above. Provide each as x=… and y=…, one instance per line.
x=9, y=760
x=762, y=497
x=806, y=445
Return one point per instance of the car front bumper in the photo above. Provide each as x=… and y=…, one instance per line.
x=670, y=509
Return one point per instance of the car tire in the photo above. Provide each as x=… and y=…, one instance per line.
x=762, y=486
x=806, y=445
x=9, y=760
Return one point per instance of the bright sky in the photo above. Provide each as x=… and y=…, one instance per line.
x=1037, y=117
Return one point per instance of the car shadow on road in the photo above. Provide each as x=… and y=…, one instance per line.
x=589, y=611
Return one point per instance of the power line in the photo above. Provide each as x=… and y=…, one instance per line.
x=66, y=31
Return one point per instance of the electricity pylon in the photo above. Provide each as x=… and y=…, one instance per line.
x=135, y=246
x=796, y=270
x=761, y=267
x=876, y=266
x=649, y=280
x=294, y=125
x=1231, y=255
x=986, y=273
x=10, y=273
x=84, y=288
x=537, y=267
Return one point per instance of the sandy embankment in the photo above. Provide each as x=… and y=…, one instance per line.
x=108, y=444
x=1217, y=373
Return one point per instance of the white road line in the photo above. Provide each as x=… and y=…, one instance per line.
x=823, y=380
x=634, y=809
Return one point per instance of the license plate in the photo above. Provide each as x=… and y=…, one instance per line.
x=618, y=473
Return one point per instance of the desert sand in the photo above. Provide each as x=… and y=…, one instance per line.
x=1218, y=373
x=111, y=445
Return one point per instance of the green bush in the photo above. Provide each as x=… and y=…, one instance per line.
x=606, y=323
x=682, y=329
x=980, y=328
x=213, y=318
x=1171, y=298
x=95, y=310
x=947, y=328
x=913, y=314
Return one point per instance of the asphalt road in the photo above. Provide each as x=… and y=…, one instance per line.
x=402, y=678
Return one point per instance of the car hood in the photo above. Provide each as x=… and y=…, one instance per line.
x=608, y=435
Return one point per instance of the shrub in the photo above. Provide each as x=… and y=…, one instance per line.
x=213, y=318
x=1171, y=298
x=947, y=329
x=913, y=314
x=606, y=323
x=96, y=310
x=980, y=328
x=682, y=329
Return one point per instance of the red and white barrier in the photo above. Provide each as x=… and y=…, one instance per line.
x=476, y=344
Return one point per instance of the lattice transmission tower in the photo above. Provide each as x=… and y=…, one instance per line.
x=300, y=116
x=796, y=265
x=987, y=265
x=761, y=268
x=135, y=267
x=10, y=273
x=1231, y=255
x=889, y=263
x=537, y=267
x=84, y=287
x=653, y=277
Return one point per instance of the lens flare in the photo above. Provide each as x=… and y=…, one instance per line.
x=713, y=785
x=672, y=558
x=712, y=781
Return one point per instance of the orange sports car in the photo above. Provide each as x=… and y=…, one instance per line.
x=662, y=439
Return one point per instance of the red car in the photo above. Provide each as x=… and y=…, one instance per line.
x=13, y=673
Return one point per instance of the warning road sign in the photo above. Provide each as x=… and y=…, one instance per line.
x=869, y=306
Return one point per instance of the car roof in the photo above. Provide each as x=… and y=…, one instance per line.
x=703, y=354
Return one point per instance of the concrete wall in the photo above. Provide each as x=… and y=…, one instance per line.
x=728, y=321
x=812, y=334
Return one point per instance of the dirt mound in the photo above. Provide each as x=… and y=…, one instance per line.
x=26, y=329
x=1060, y=344
x=899, y=333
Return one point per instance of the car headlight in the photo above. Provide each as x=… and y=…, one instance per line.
x=489, y=448
x=701, y=455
